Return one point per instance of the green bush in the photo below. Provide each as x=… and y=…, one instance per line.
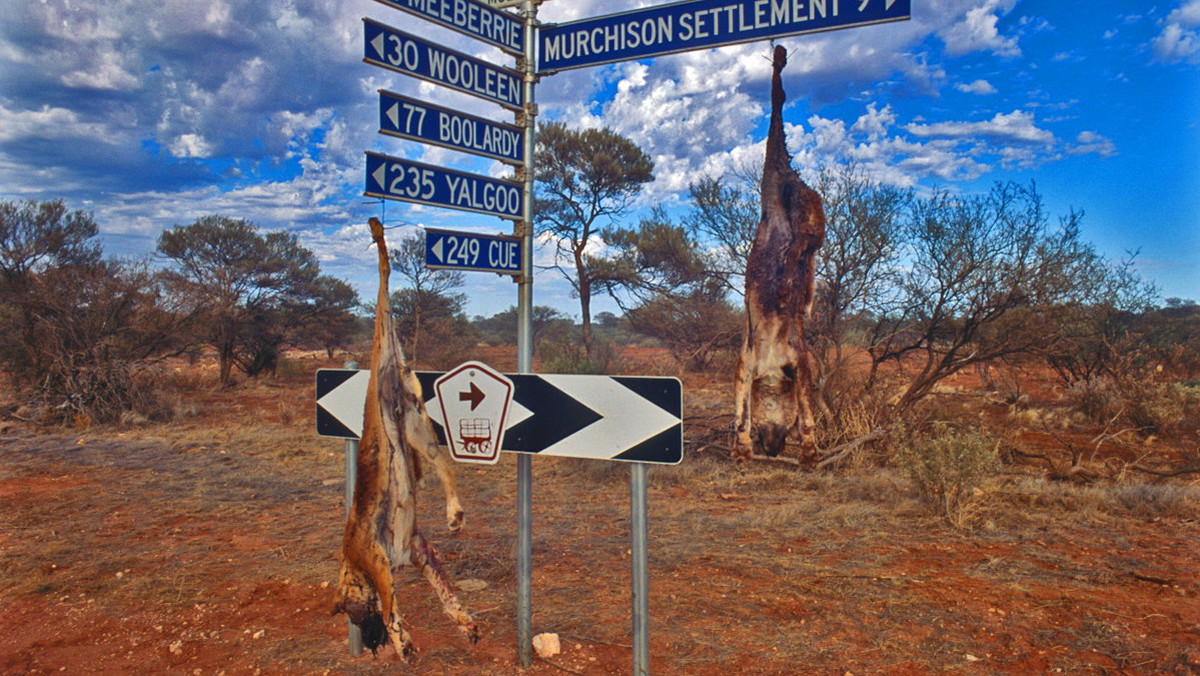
x=567, y=356
x=947, y=468
x=1151, y=406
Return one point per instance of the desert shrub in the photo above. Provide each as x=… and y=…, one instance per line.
x=849, y=408
x=100, y=392
x=1158, y=500
x=701, y=330
x=1096, y=398
x=1163, y=407
x=947, y=467
x=567, y=356
x=86, y=341
x=1150, y=406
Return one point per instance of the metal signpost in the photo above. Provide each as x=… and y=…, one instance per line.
x=608, y=417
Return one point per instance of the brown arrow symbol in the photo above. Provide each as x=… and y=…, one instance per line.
x=474, y=396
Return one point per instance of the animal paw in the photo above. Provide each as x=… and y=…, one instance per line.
x=456, y=519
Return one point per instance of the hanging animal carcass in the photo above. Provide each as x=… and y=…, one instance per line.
x=381, y=533
x=774, y=376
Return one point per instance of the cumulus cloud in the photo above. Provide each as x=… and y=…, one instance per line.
x=977, y=31
x=190, y=145
x=976, y=87
x=1088, y=142
x=1179, y=39
x=157, y=113
x=45, y=123
x=106, y=71
x=1015, y=127
x=892, y=150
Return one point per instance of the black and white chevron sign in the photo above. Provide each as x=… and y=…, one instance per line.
x=630, y=418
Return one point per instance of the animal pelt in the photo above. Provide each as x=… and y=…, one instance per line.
x=775, y=369
x=381, y=533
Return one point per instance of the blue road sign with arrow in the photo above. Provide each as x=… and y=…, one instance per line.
x=419, y=121
x=396, y=50
x=399, y=179
x=469, y=17
x=450, y=250
x=700, y=24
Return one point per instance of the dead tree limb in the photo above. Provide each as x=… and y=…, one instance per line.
x=829, y=457
x=381, y=533
x=774, y=381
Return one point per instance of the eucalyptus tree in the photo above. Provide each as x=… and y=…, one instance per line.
x=984, y=277
x=586, y=179
x=81, y=330
x=427, y=306
x=242, y=283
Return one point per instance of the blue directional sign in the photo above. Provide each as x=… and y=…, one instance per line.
x=397, y=179
x=470, y=17
x=696, y=24
x=449, y=250
x=419, y=121
x=389, y=48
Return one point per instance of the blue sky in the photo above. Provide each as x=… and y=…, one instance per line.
x=152, y=114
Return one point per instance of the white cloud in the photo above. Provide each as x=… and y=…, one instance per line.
x=977, y=31
x=1179, y=39
x=982, y=87
x=1015, y=127
x=47, y=123
x=107, y=72
x=1087, y=142
x=190, y=145
x=875, y=123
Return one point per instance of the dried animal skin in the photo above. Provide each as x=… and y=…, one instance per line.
x=381, y=533
x=774, y=376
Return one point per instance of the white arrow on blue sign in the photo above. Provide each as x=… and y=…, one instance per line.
x=389, y=48
x=450, y=250
x=419, y=121
x=399, y=179
x=699, y=24
x=469, y=17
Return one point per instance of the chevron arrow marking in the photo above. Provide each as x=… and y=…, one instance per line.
x=626, y=418
x=600, y=417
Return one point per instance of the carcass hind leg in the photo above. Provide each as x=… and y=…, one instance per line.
x=425, y=557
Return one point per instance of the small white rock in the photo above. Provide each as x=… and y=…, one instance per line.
x=547, y=645
x=259, y=634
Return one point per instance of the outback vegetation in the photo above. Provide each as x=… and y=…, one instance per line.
x=1009, y=427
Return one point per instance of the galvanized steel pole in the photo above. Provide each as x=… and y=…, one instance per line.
x=525, y=348
x=356, y=643
x=641, y=581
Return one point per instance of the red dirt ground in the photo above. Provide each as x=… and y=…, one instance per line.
x=208, y=546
